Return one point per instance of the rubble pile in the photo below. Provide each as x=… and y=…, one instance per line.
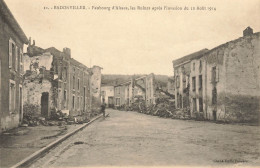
x=163, y=108
x=57, y=118
x=95, y=111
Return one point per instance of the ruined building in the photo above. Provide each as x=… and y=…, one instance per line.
x=54, y=81
x=171, y=86
x=107, y=95
x=123, y=94
x=95, y=86
x=145, y=88
x=221, y=83
x=11, y=69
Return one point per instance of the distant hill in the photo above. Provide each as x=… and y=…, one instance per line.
x=114, y=79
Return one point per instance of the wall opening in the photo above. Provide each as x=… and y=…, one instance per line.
x=20, y=104
x=214, y=96
x=194, y=104
x=214, y=115
x=110, y=101
x=179, y=100
x=194, y=83
x=65, y=99
x=200, y=82
x=45, y=104
x=73, y=102
x=200, y=105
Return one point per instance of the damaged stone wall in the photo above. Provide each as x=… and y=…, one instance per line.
x=237, y=80
x=197, y=91
x=171, y=86
x=123, y=94
x=145, y=90
x=242, y=62
x=96, y=86
x=33, y=91
x=64, y=81
x=139, y=93
x=128, y=94
x=38, y=80
x=108, y=95
x=139, y=89
x=182, y=84
x=223, y=82
x=117, y=91
x=150, y=90
x=215, y=84
x=36, y=63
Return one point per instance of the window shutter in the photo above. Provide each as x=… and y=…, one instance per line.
x=10, y=94
x=217, y=74
x=21, y=62
x=14, y=98
x=16, y=58
x=10, y=54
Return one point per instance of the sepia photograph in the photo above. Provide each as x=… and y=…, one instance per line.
x=129, y=83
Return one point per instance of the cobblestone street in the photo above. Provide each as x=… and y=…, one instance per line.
x=134, y=139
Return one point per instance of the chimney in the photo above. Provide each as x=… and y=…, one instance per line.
x=248, y=31
x=67, y=51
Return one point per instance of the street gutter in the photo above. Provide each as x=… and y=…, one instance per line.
x=27, y=161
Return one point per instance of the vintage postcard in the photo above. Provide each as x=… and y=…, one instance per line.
x=129, y=83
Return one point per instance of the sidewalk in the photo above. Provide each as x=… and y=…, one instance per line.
x=19, y=143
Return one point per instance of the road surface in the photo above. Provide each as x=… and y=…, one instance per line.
x=134, y=139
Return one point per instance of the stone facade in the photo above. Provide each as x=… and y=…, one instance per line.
x=55, y=81
x=11, y=69
x=123, y=94
x=95, y=86
x=150, y=90
x=107, y=95
x=182, y=75
x=222, y=83
x=143, y=88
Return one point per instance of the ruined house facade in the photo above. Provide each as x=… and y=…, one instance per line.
x=185, y=74
x=54, y=81
x=221, y=83
x=123, y=94
x=95, y=86
x=171, y=86
x=142, y=88
x=11, y=69
x=107, y=95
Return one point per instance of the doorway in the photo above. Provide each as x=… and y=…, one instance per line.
x=110, y=102
x=45, y=104
x=20, y=104
x=194, y=103
x=214, y=115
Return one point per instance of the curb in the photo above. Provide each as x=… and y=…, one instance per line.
x=25, y=162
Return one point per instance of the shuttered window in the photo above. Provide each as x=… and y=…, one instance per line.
x=194, y=83
x=21, y=62
x=10, y=60
x=214, y=74
x=16, y=58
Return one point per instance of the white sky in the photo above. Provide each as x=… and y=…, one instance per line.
x=134, y=42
